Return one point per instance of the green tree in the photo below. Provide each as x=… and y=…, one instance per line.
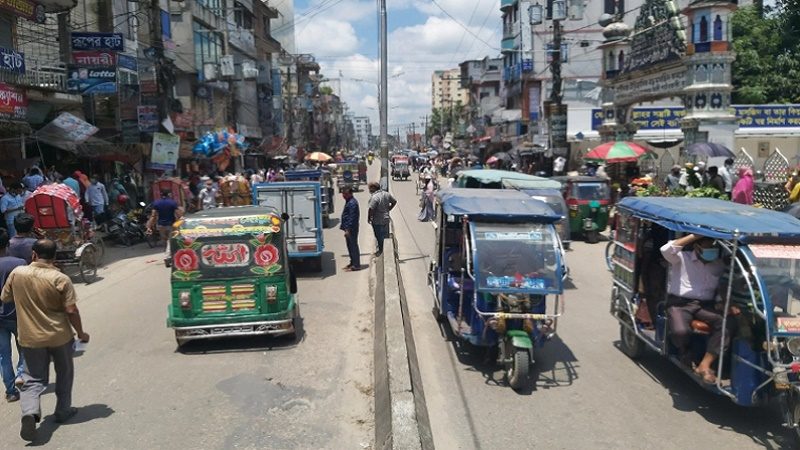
x=326, y=90
x=767, y=47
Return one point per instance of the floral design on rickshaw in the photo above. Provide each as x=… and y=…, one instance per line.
x=265, y=255
x=186, y=261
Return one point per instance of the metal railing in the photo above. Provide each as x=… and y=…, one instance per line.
x=50, y=75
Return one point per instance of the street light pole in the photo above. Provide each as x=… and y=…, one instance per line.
x=383, y=97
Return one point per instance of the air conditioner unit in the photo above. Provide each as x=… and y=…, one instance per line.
x=210, y=71
x=249, y=70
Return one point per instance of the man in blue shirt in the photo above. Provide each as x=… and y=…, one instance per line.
x=21, y=245
x=74, y=184
x=165, y=211
x=33, y=179
x=349, y=224
x=11, y=204
x=8, y=325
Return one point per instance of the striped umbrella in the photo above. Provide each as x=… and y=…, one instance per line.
x=615, y=152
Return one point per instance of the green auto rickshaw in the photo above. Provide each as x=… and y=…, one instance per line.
x=588, y=200
x=230, y=275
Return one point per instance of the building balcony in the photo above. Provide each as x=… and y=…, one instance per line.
x=44, y=76
x=508, y=45
x=243, y=40
x=505, y=4
x=207, y=15
x=510, y=31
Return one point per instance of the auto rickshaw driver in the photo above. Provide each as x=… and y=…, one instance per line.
x=692, y=286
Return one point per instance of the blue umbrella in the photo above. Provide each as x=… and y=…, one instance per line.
x=709, y=149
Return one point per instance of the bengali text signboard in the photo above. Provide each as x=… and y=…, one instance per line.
x=24, y=8
x=13, y=103
x=94, y=58
x=12, y=61
x=748, y=116
x=97, y=41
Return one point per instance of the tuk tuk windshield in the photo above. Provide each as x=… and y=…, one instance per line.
x=516, y=257
x=779, y=269
x=591, y=191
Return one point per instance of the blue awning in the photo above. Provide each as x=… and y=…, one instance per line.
x=505, y=205
x=711, y=217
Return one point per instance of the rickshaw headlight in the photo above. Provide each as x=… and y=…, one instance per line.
x=793, y=345
x=186, y=300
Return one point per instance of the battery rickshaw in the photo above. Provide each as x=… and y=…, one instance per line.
x=495, y=266
x=58, y=216
x=230, y=275
x=758, y=295
x=588, y=199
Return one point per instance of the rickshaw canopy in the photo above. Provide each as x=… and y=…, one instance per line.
x=48, y=213
x=501, y=205
x=230, y=221
x=714, y=218
x=503, y=177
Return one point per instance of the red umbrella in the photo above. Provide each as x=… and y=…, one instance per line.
x=614, y=152
x=492, y=160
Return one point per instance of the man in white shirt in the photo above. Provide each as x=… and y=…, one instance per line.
x=726, y=172
x=96, y=196
x=207, y=198
x=692, y=287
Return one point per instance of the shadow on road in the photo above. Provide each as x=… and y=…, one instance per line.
x=554, y=363
x=85, y=414
x=762, y=424
x=244, y=344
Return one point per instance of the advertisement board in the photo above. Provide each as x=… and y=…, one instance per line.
x=12, y=61
x=13, y=103
x=164, y=154
x=147, y=118
x=96, y=58
x=24, y=8
x=748, y=116
x=97, y=41
x=91, y=80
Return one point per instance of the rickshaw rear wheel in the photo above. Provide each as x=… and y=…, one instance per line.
x=519, y=370
x=100, y=250
x=87, y=265
x=630, y=344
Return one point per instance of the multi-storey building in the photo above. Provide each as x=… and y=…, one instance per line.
x=363, y=131
x=483, y=81
x=446, y=89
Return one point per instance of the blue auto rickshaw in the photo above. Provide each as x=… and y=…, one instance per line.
x=496, y=263
x=758, y=295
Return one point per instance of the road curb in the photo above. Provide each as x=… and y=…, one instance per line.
x=401, y=416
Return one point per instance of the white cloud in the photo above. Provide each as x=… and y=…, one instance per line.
x=436, y=42
x=325, y=36
x=344, y=10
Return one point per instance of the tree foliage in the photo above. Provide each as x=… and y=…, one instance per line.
x=767, y=46
x=445, y=119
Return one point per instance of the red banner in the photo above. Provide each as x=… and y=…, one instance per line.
x=94, y=58
x=13, y=103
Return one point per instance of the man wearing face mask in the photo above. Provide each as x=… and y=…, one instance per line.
x=692, y=285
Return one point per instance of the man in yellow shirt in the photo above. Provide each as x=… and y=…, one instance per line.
x=46, y=314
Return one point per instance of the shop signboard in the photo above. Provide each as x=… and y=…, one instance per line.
x=558, y=130
x=27, y=9
x=13, y=103
x=94, y=58
x=97, y=41
x=127, y=62
x=12, y=61
x=164, y=154
x=748, y=116
x=91, y=80
x=148, y=118
x=664, y=83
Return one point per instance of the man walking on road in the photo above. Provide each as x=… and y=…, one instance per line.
x=97, y=197
x=380, y=203
x=349, y=224
x=21, y=244
x=8, y=324
x=46, y=307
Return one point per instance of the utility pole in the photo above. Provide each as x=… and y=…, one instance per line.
x=157, y=45
x=426, y=130
x=558, y=111
x=383, y=96
x=413, y=135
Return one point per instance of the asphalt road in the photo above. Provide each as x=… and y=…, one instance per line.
x=134, y=390
x=586, y=392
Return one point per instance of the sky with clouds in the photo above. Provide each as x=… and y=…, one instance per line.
x=423, y=37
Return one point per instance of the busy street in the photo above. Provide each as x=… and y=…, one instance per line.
x=400, y=225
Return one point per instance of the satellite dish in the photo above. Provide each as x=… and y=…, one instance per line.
x=605, y=20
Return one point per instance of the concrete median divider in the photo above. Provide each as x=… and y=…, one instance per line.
x=401, y=416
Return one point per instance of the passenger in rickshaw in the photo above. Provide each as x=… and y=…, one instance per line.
x=694, y=277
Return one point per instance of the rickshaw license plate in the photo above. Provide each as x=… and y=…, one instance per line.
x=228, y=330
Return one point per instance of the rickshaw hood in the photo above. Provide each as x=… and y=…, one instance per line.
x=714, y=218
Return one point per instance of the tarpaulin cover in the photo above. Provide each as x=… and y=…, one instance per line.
x=711, y=217
x=505, y=205
x=487, y=176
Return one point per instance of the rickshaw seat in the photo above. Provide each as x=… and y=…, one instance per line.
x=700, y=327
